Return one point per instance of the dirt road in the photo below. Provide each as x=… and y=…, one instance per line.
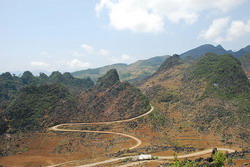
x=138, y=142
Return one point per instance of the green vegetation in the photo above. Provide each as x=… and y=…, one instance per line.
x=24, y=149
x=185, y=163
x=218, y=160
x=245, y=63
x=224, y=76
x=26, y=112
x=157, y=119
x=169, y=63
x=10, y=85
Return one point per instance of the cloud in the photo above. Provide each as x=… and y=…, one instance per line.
x=237, y=29
x=75, y=63
x=126, y=57
x=103, y=52
x=39, y=64
x=224, y=30
x=87, y=48
x=123, y=58
x=77, y=54
x=148, y=16
x=216, y=28
x=90, y=50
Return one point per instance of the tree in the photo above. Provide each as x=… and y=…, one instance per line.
x=219, y=159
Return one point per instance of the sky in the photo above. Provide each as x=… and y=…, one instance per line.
x=72, y=35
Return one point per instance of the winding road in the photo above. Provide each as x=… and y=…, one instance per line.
x=138, y=142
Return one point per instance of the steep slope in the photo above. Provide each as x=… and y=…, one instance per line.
x=134, y=71
x=211, y=96
x=223, y=74
x=169, y=63
x=245, y=62
x=37, y=107
x=112, y=100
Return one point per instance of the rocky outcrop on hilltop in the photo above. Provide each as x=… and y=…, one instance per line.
x=112, y=100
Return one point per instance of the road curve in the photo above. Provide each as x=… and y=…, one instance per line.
x=138, y=141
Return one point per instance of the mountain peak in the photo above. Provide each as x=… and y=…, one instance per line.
x=203, y=49
x=169, y=63
x=108, y=80
x=219, y=47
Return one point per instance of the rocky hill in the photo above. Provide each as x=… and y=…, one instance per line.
x=35, y=108
x=11, y=84
x=211, y=95
x=131, y=72
x=111, y=99
x=53, y=100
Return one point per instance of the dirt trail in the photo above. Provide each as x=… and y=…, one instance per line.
x=138, y=143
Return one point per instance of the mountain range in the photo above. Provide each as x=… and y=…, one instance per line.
x=203, y=49
x=199, y=102
x=144, y=68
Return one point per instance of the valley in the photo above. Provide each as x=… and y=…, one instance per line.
x=183, y=110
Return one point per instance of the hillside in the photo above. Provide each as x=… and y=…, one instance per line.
x=36, y=108
x=39, y=106
x=245, y=62
x=11, y=84
x=210, y=95
x=131, y=72
x=111, y=99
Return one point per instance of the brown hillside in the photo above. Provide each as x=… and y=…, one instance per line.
x=112, y=100
x=197, y=102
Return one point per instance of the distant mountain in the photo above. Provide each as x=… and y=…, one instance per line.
x=208, y=48
x=144, y=68
x=131, y=72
